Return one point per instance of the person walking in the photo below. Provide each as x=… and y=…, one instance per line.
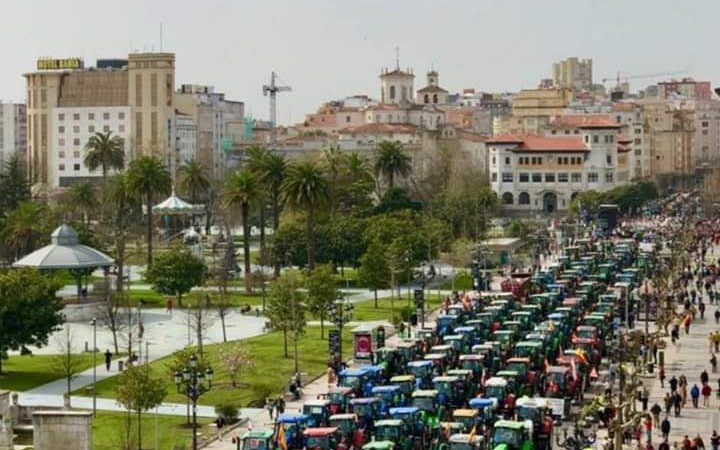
x=108, y=360
x=695, y=395
x=704, y=377
x=706, y=391
x=677, y=403
x=717, y=316
x=713, y=363
x=665, y=428
x=673, y=384
x=715, y=440
x=656, y=410
x=648, y=430
x=219, y=425
x=661, y=376
x=270, y=406
x=644, y=397
x=668, y=403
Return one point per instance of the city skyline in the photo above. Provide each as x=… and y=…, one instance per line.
x=327, y=50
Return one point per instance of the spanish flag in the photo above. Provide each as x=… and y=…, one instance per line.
x=281, y=441
x=581, y=355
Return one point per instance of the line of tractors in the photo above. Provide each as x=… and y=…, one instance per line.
x=497, y=371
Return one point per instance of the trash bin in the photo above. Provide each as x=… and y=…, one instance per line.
x=120, y=365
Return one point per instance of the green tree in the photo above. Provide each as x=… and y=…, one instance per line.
x=176, y=272
x=67, y=361
x=123, y=211
x=374, y=272
x=29, y=310
x=80, y=197
x=241, y=190
x=105, y=151
x=342, y=239
x=321, y=292
x=139, y=391
x=26, y=226
x=356, y=184
x=392, y=161
x=289, y=246
x=148, y=176
x=306, y=189
x=256, y=159
x=286, y=310
x=14, y=185
x=194, y=180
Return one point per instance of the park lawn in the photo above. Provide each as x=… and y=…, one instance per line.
x=463, y=282
x=24, y=372
x=365, y=310
x=154, y=299
x=109, y=430
x=270, y=376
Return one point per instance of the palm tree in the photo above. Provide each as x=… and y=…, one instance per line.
x=306, y=189
x=81, y=197
x=193, y=179
x=391, y=161
x=147, y=176
x=274, y=171
x=356, y=168
x=106, y=151
x=256, y=157
x=25, y=226
x=124, y=211
x=242, y=189
x=333, y=159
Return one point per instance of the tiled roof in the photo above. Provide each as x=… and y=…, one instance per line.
x=432, y=88
x=584, y=121
x=624, y=140
x=373, y=128
x=532, y=142
x=471, y=136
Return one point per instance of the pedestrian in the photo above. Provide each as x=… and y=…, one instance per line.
x=715, y=440
x=645, y=396
x=270, y=406
x=698, y=443
x=141, y=330
x=297, y=380
x=668, y=403
x=695, y=395
x=648, y=429
x=706, y=391
x=711, y=341
x=108, y=360
x=656, y=410
x=219, y=425
x=673, y=384
x=677, y=403
x=169, y=304
x=686, y=443
x=713, y=363
x=280, y=406
x=332, y=378
x=701, y=308
x=717, y=316
x=661, y=375
x=664, y=445
x=665, y=428
x=704, y=377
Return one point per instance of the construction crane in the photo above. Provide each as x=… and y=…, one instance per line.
x=618, y=77
x=273, y=89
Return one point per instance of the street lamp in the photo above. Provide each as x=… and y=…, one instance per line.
x=93, y=322
x=191, y=382
x=340, y=314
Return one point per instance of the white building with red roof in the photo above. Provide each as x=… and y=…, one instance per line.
x=545, y=173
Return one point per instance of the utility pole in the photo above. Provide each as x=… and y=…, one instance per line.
x=272, y=89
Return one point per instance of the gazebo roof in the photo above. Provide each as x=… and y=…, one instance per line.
x=175, y=205
x=64, y=252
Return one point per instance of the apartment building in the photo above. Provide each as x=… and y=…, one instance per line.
x=13, y=130
x=573, y=73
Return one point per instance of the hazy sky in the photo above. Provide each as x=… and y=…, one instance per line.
x=327, y=49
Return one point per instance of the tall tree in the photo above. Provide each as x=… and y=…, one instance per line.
x=139, y=391
x=392, y=161
x=306, y=189
x=256, y=160
x=80, y=197
x=148, y=176
x=374, y=272
x=105, y=151
x=333, y=160
x=122, y=211
x=25, y=226
x=241, y=190
x=176, y=272
x=321, y=292
x=286, y=309
x=67, y=361
x=357, y=183
x=194, y=180
x=14, y=186
x=30, y=310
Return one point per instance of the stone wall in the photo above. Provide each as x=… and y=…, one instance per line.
x=62, y=430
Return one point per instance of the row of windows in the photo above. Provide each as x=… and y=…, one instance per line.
x=91, y=116
x=61, y=167
x=562, y=177
x=524, y=198
x=575, y=131
x=609, y=138
x=538, y=160
x=91, y=128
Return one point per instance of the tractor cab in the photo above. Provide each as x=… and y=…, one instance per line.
x=444, y=324
x=527, y=375
x=470, y=418
x=379, y=445
x=466, y=442
x=357, y=379
x=339, y=398
x=539, y=412
x=466, y=376
x=422, y=371
x=427, y=402
x=458, y=311
x=512, y=435
x=469, y=333
x=388, y=358
x=447, y=349
x=389, y=396
x=406, y=383
x=412, y=416
x=257, y=440
x=451, y=390
x=524, y=318
x=346, y=425
x=474, y=363
x=482, y=331
x=426, y=336
x=486, y=408
x=408, y=351
x=321, y=438
x=293, y=425
x=497, y=388
x=392, y=430
x=459, y=342
x=586, y=332
x=366, y=409
x=559, y=382
x=532, y=350
x=318, y=412
x=439, y=361
x=505, y=338
x=534, y=310
x=490, y=354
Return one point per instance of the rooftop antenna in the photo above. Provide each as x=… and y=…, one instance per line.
x=397, y=57
x=161, y=37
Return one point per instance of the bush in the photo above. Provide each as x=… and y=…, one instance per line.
x=228, y=411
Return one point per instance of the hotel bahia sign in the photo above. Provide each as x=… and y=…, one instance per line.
x=60, y=64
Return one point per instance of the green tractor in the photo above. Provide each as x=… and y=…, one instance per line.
x=395, y=431
x=512, y=435
x=256, y=440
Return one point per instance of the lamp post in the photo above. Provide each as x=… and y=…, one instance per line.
x=340, y=314
x=93, y=322
x=191, y=382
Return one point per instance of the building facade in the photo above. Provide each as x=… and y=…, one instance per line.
x=13, y=131
x=186, y=139
x=540, y=173
x=144, y=83
x=573, y=73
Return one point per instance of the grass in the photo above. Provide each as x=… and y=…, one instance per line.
x=463, y=282
x=109, y=430
x=270, y=376
x=365, y=310
x=153, y=299
x=24, y=372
